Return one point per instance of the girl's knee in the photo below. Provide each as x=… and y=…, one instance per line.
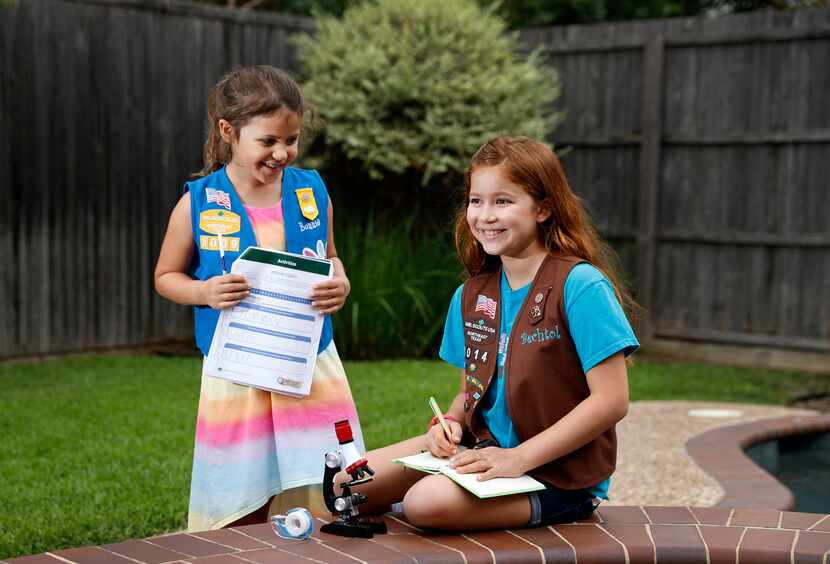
x=432, y=503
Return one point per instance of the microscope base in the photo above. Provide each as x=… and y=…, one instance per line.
x=362, y=530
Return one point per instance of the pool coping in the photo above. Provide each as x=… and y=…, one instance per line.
x=720, y=453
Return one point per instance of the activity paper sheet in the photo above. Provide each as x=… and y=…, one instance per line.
x=269, y=340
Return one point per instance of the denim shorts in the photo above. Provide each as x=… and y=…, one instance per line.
x=554, y=505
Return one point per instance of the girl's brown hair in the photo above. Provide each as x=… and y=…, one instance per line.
x=241, y=95
x=533, y=166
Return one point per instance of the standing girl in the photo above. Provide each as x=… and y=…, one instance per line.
x=252, y=444
x=541, y=338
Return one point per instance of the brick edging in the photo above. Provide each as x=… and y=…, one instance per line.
x=720, y=453
x=621, y=535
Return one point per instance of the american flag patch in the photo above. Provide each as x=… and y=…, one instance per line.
x=487, y=305
x=219, y=197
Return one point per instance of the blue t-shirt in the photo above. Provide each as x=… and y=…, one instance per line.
x=597, y=324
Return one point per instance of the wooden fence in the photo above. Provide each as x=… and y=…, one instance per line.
x=103, y=118
x=701, y=145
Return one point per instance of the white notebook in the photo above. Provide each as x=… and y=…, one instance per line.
x=426, y=462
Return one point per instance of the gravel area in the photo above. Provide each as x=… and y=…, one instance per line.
x=653, y=467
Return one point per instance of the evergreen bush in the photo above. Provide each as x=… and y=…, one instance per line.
x=405, y=86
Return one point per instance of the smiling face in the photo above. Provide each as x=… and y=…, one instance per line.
x=502, y=216
x=263, y=147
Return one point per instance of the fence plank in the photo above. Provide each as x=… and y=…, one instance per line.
x=36, y=287
x=649, y=174
x=9, y=83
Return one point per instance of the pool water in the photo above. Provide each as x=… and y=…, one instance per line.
x=802, y=463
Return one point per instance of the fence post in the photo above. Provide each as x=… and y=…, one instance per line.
x=651, y=115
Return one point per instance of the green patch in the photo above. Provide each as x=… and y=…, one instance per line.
x=94, y=450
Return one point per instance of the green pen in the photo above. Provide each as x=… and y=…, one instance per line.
x=440, y=416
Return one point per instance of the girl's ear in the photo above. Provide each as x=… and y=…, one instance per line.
x=544, y=212
x=226, y=131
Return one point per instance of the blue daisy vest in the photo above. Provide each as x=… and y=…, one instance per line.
x=215, y=206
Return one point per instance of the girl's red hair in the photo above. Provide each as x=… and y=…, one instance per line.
x=533, y=166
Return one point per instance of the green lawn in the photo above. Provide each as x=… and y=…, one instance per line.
x=98, y=449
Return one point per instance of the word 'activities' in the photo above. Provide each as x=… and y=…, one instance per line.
x=269, y=340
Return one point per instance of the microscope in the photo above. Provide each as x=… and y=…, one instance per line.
x=344, y=506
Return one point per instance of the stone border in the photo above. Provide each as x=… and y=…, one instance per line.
x=720, y=453
x=620, y=535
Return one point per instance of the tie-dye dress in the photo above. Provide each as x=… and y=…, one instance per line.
x=252, y=444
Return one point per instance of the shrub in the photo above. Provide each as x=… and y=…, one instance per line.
x=417, y=86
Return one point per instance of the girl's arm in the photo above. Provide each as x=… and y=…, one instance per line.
x=605, y=406
x=172, y=279
x=330, y=296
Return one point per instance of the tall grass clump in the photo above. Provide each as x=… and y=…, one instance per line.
x=402, y=280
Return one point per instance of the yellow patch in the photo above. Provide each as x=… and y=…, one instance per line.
x=216, y=221
x=210, y=243
x=308, y=205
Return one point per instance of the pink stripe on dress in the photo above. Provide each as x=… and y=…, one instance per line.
x=226, y=434
x=321, y=417
x=285, y=419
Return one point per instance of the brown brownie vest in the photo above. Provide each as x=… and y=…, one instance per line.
x=544, y=375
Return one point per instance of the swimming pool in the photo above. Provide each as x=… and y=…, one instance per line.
x=802, y=463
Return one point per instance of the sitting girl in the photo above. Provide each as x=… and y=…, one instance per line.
x=541, y=337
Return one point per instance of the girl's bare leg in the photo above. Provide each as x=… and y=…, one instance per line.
x=391, y=481
x=439, y=503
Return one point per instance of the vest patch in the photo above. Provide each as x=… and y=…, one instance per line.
x=214, y=221
x=209, y=243
x=478, y=338
x=480, y=326
x=308, y=205
x=486, y=305
x=475, y=382
x=478, y=332
x=541, y=335
x=503, y=344
x=219, y=197
x=308, y=226
x=476, y=354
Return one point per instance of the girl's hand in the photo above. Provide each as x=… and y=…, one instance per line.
x=329, y=296
x=492, y=462
x=226, y=290
x=437, y=441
